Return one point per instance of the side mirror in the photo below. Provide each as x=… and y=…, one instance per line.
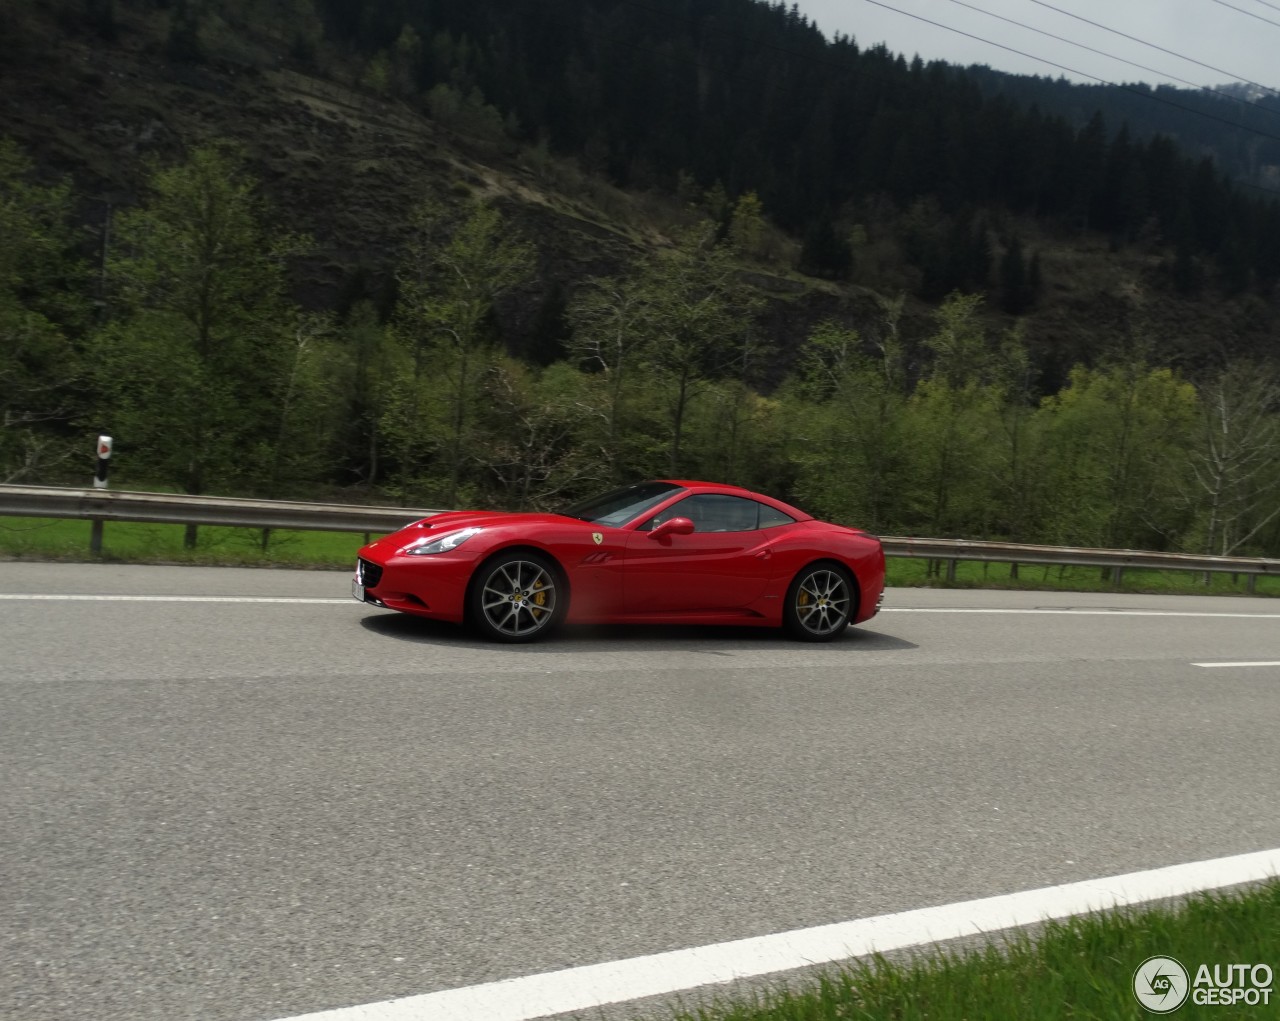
x=672, y=526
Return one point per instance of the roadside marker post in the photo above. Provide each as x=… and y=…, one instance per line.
x=104, y=462
x=100, y=482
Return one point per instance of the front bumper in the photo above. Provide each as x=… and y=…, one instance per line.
x=433, y=587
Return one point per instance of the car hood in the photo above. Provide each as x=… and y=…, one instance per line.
x=450, y=520
x=525, y=525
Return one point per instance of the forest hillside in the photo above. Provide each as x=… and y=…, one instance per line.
x=513, y=251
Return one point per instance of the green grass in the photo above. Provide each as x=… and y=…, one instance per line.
x=913, y=572
x=1080, y=968
x=136, y=542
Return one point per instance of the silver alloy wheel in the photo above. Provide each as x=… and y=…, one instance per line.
x=822, y=602
x=519, y=599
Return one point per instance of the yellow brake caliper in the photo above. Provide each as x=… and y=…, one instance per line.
x=539, y=597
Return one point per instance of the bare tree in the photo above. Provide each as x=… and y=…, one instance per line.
x=1237, y=464
x=609, y=337
x=532, y=448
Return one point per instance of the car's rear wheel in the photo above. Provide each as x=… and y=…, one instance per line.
x=516, y=597
x=819, y=603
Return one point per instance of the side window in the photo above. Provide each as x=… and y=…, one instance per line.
x=770, y=518
x=711, y=512
x=679, y=509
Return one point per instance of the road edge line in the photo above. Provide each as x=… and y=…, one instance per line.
x=547, y=994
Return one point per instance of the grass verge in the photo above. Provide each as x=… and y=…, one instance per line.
x=135, y=542
x=141, y=543
x=913, y=572
x=1078, y=968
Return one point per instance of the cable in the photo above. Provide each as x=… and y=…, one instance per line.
x=690, y=19
x=1249, y=13
x=1112, y=56
x=1266, y=4
x=1085, y=74
x=630, y=42
x=1126, y=88
x=1172, y=53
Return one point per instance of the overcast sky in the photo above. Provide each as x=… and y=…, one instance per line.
x=1237, y=46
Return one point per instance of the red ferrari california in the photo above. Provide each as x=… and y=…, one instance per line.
x=669, y=552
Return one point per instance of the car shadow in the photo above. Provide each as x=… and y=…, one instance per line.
x=707, y=640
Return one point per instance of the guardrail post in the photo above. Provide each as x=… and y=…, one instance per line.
x=1118, y=577
x=951, y=571
x=100, y=482
x=1251, y=586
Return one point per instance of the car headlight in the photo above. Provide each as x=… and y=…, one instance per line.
x=429, y=544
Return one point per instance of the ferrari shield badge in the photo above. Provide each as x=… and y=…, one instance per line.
x=597, y=538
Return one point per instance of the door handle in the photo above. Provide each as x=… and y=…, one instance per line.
x=764, y=554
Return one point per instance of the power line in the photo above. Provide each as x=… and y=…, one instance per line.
x=672, y=58
x=1172, y=53
x=1112, y=56
x=1063, y=67
x=809, y=58
x=1082, y=73
x=1266, y=4
x=1249, y=13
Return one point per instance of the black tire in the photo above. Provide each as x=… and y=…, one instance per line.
x=516, y=597
x=820, y=603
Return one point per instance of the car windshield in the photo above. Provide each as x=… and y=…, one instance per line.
x=621, y=505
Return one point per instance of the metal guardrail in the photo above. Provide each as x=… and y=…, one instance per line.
x=1073, y=556
x=178, y=509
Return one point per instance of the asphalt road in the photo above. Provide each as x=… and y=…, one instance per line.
x=249, y=810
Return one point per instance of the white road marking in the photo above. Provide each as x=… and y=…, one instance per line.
x=597, y=985
x=344, y=600
x=169, y=599
x=1211, y=666
x=1078, y=613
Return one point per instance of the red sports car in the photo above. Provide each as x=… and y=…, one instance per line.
x=669, y=552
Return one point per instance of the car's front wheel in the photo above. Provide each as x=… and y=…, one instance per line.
x=515, y=597
x=819, y=603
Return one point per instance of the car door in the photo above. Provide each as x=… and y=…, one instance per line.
x=722, y=566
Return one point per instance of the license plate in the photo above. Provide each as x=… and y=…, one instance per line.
x=357, y=590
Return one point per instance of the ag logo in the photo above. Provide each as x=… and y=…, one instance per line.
x=597, y=538
x=1161, y=985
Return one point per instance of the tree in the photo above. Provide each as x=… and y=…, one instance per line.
x=450, y=277
x=693, y=314
x=1016, y=443
x=40, y=313
x=609, y=337
x=1236, y=459
x=308, y=408
x=406, y=62
x=308, y=411
x=746, y=226
x=372, y=354
x=851, y=448
x=533, y=443
x=948, y=419
x=1113, y=438
x=191, y=363
x=377, y=74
